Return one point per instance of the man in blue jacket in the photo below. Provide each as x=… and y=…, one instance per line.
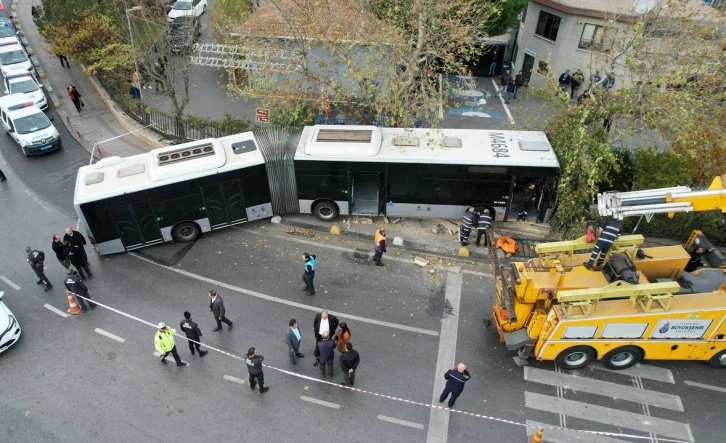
x=455, y=379
x=309, y=273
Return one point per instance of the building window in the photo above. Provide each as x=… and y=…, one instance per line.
x=597, y=38
x=548, y=25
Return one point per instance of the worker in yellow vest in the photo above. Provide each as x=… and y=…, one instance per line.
x=380, y=246
x=164, y=343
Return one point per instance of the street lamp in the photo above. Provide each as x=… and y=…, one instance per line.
x=133, y=48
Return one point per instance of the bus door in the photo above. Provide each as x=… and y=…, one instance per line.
x=224, y=203
x=136, y=224
x=365, y=193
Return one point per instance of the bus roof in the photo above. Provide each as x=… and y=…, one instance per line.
x=425, y=145
x=114, y=176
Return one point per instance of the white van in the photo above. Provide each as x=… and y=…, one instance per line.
x=28, y=125
x=9, y=326
x=14, y=60
x=29, y=86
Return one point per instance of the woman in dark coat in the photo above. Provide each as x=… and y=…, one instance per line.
x=75, y=97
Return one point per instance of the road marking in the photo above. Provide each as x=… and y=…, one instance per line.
x=607, y=389
x=556, y=435
x=398, y=421
x=111, y=336
x=613, y=417
x=9, y=282
x=241, y=381
x=320, y=402
x=701, y=385
x=642, y=371
x=506, y=108
x=57, y=311
x=288, y=302
x=438, y=431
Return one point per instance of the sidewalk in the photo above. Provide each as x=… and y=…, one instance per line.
x=101, y=120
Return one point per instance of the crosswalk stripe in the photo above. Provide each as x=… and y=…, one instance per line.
x=642, y=371
x=609, y=416
x=607, y=389
x=560, y=435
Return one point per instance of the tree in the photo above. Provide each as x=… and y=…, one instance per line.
x=507, y=17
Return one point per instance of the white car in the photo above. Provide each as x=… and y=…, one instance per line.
x=28, y=86
x=9, y=326
x=183, y=8
x=14, y=60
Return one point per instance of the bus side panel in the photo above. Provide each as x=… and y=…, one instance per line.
x=99, y=225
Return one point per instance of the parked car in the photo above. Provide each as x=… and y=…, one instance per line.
x=8, y=31
x=182, y=33
x=9, y=326
x=14, y=60
x=29, y=86
x=183, y=8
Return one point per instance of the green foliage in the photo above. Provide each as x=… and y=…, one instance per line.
x=507, y=17
x=654, y=169
x=291, y=114
x=681, y=225
x=227, y=125
x=227, y=15
x=621, y=180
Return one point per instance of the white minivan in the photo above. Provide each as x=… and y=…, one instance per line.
x=9, y=326
x=28, y=125
x=14, y=60
x=29, y=86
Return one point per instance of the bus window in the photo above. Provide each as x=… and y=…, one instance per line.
x=99, y=221
x=485, y=191
x=439, y=186
x=177, y=209
x=255, y=189
x=402, y=184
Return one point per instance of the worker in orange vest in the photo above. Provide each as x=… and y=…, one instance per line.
x=380, y=246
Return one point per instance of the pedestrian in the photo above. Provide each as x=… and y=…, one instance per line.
x=504, y=82
x=77, y=240
x=164, y=343
x=323, y=322
x=565, y=80
x=379, y=241
x=254, y=367
x=2, y=176
x=455, y=379
x=309, y=273
x=578, y=78
x=63, y=60
x=518, y=82
x=493, y=65
x=76, y=258
x=326, y=348
x=75, y=97
x=216, y=306
x=342, y=337
x=511, y=90
x=134, y=91
x=466, y=224
x=59, y=249
x=36, y=259
x=77, y=287
x=605, y=240
x=528, y=199
x=293, y=338
x=349, y=361
x=160, y=70
x=608, y=82
x=484, y=223
x=194, y=334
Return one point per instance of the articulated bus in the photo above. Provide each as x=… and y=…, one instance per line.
x=177, y=193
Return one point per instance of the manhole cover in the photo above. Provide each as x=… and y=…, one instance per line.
x=53, y=178
x=65, y=173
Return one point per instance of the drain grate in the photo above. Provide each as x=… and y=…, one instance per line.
x=69, y=171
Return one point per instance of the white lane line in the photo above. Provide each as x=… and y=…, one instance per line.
x=604, y=388
x=642, y=371
x=9, y=282
x=701, y=385
x=57, y=311
x=613, y=417
x=288, y=302
x=111, y=336
x=558, y=435
x=438, y=431
x=398, y=421
x=320, y=402
x=241, y=381
x=506, y=108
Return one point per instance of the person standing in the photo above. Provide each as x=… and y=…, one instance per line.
x=75, y=97
x=193, y=333
x=75, y=285
x=466, y=224
x=380, y=241
x=309, y=272
x=164, y=343
x=160, y=70
x=323, y=322
x=565, y=80
x=504, y=82
x=518, y=82
x=63, y=60
x=528, y=199
x=326, y=348
x=216, y=306
x=605, y=240
x=342, y=337
x=59, y=250
x=76, y=257
x=293, y=338
x=595, y=79
x=455, y=380
x=77, y=240
x=254, y=367
x=493, y=65
x=578, y=78
x=36, y=259
x=485, y=222
x=349, y=361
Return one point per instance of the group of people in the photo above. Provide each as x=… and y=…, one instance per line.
x=137, y=82
x=571, y=83
x=475, y=219
x=510, y=84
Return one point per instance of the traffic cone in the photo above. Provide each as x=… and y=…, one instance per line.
x=74, y=310
x=537, y=438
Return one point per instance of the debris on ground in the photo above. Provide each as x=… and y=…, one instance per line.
x=300, y=231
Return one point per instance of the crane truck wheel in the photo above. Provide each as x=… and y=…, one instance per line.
x=576, y=357
x=718, y=360
x=623, y=357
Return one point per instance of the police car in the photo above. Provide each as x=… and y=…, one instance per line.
x=28, y=125
x=29, y=86
x=13, y=58
x=8, y=31
x=9, y=326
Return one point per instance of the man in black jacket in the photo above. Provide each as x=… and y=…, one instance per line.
x=36, y=259
x=75, y=254
x=326, y=348
x=254, y=367
x=323, y=322
x=78, y=241
x=349, y=361
x=58, y=248
x=216, y=306
x=528, y=200
x=455, y=379
x=75, y=286
x=191, y=329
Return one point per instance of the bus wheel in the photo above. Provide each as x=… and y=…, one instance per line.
x=718, y=360
x=186, y=232
x=622, y=358
x=326, y=211
x=576, y=357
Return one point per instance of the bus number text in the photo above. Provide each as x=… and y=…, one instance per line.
x=498, y=143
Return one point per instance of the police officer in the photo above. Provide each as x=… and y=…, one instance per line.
x=164, y=344
x=485, y=222
x=466, y=225
x=309, y=273
x=607, y=237
x=530, y=195
x=254, y=367
x=455, y=379
x=36, y=259
x=379, y=241
x=77, y=287
x=194, y=334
